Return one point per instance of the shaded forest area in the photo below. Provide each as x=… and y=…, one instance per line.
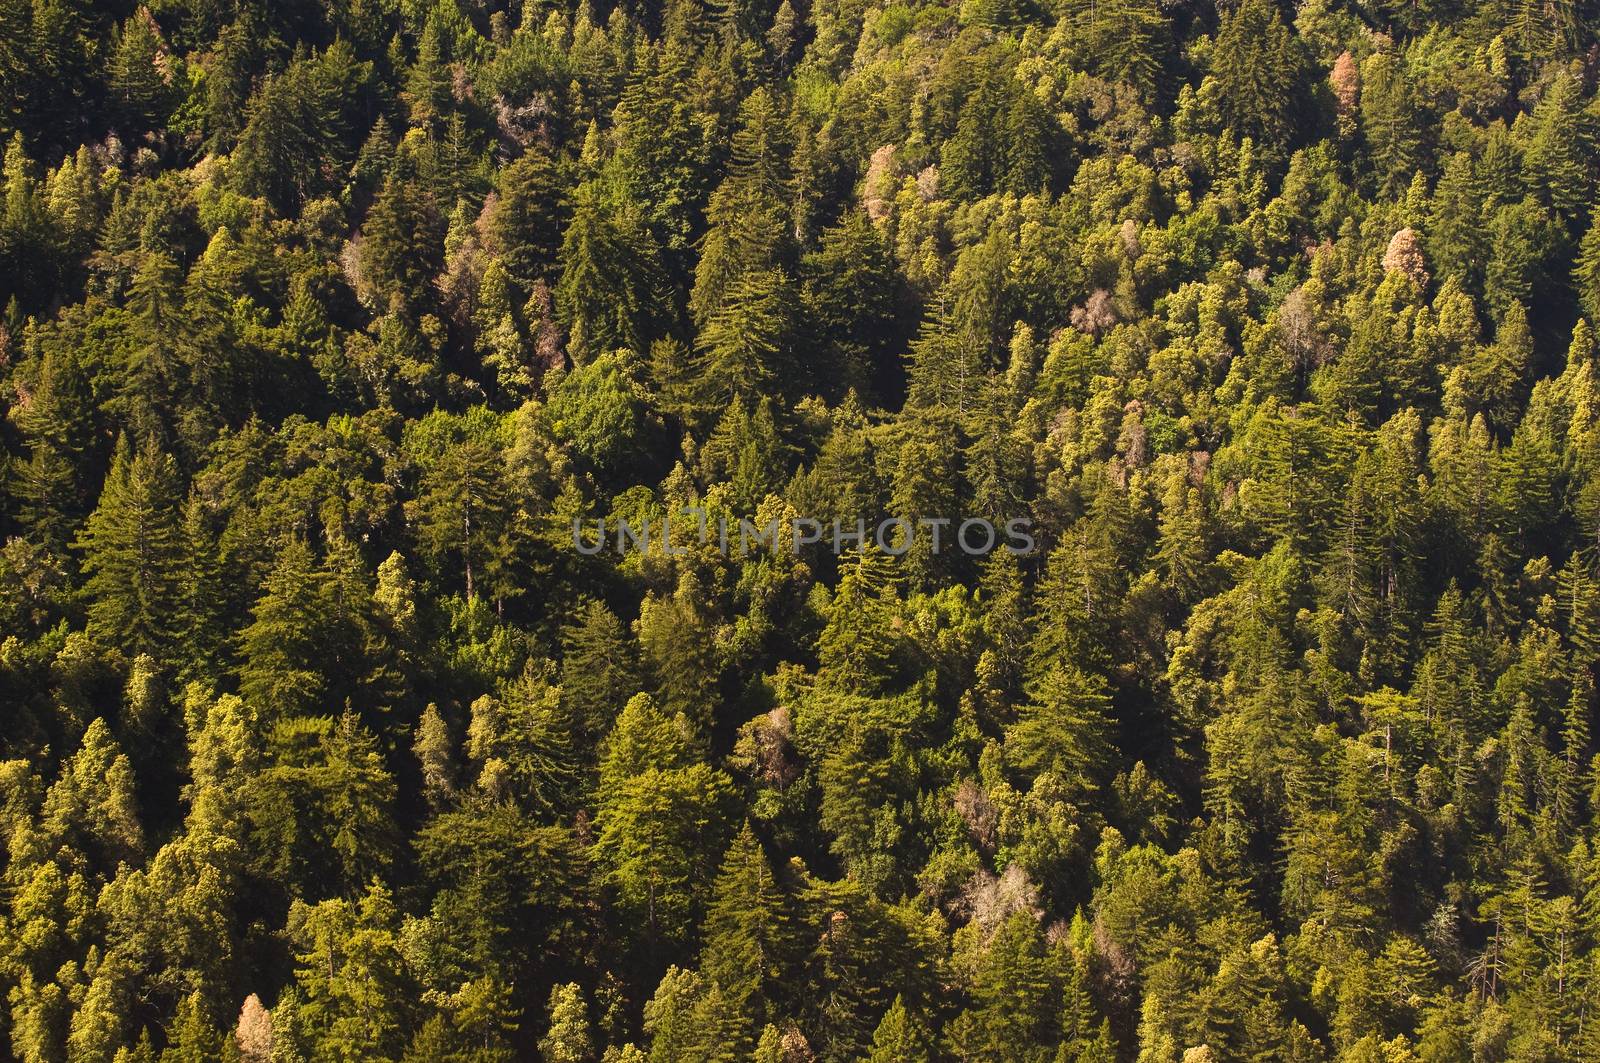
x=324, y=321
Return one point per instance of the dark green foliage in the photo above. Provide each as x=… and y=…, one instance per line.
x=283, y=647
x=599, y=669
x=1124, y=40
x=610, y=295
x=1391, y=118
x=133, y=553
x=298, y=126
x=462, y=512
x=350, y=978
x=400, y=245
x=745, y=339
x=529, y=219
x=854, y=303
x=1258, y=64
x=1063, y=728
x=658, y=818
x=600, y=410
x=505, y=887
x=49, y=485
x=321, y=817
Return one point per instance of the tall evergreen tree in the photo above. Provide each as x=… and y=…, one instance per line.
x=133, y=553
x=746, y=930
x=529, y=219
x=282, y=650
x=1258, y=65
x=59, y=427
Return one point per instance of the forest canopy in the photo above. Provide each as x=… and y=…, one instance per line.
x=322, y=324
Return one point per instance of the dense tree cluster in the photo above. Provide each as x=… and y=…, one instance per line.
x=324, y=322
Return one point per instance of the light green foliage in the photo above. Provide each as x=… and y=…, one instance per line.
x=654, y=841
x=568, y=1040
x=350, y=977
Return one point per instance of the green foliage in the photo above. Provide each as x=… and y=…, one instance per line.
x=1258, y=65
x=1064, y=727
x=399, y=252
x=599, y=409
x=283, y=646
x=609, y=296
x=521, y=744
x=743, y=346
x=507, y=887
x=350, y=977
x=746, y=929
x=133, y=553
x=568, y=1040
x=322, y=326
x=657, y=819
x=319, y=816
x=599, y=669
x=463, y=511
x=296, y=124
x=528, y=219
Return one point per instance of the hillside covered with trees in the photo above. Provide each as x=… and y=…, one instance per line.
x=324, y=322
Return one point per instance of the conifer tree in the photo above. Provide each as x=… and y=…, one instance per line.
x=350, y=975
x=295, y=123
x=680, y=654
x=568, y=1039
x=656, y=810
x=1124, y=40
x=137, y=82
x=609, y=296
x=484, y=1017
x=253, y=1033
x=283, y=647
x=1455, y=234
x=642, y=737
x=1521, y=238
x=436, y=754
x=1556, y=152
x=509, y=889
x=462, y=512
x=27, y=236
x=1256, y=318
x=402, y=245
x=856, y=648
x=194, y=1038
x=428, y=86
x=1390, y=120
x=57, y=421
x=1586, y=272
x=91, y=806
x=522, y=745
x=744, y=347
x=899, y=1038
x=599, y=669
x=1013, y=990
x=1064, y=727
x=961, y=342
x=746, y=929
x=529, y=219
x=1258, y=68
x=851, y=296
x=750, y=225
x=1032, y=147
x=133, y=551
x=202, y=615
